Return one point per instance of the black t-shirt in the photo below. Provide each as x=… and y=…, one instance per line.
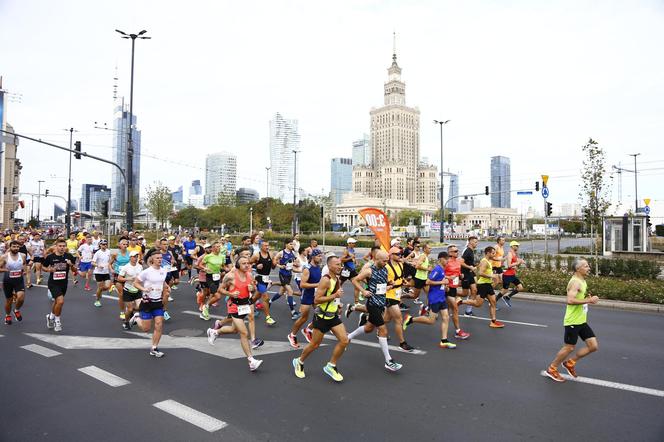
x=60, y=272
x=468, y=257
x=23, y=249
x=176, y=251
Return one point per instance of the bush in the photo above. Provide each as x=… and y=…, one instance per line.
x=576, y=250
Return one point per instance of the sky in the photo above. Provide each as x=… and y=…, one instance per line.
x=530, y=80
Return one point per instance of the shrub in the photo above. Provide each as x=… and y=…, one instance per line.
x=576, y=250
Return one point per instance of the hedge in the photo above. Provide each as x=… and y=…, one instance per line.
x=555, y=283
x=615, y=267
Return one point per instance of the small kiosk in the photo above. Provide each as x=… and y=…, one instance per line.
x=627, y=233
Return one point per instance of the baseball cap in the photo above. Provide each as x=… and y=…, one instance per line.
x=395, y=241
x=103, y=241
x=443, y=254
x=171, y=237
x=395, y=251
x=316, y=252
x=133, y=253
x=207, y=245
x=514, y=243
x=351, y=240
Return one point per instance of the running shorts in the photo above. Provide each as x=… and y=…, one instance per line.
x=151, y=310
x=438, y=306
x=485, y=290
x=101, y=277
x=419, y=283
x=83, y=267
x=57, y=290
x=376, y=315
x=128, y=296
x=468, y=280
x=13, y=285
x=285, y=279
x=325, y=325
x=510, y=279
x=572, y=333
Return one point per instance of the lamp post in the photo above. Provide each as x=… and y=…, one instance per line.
x=251, y=220
x=68, y=212
x=636, y=186
x=295, y=152
x=39, y=198
x=267, y=195
x=442, y=181
x=129, y=191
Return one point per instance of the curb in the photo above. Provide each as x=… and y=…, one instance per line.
x=604, y=303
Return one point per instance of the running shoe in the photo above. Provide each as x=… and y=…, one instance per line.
x=461, y=334
x=299, y=368
x=469, y=313
x=49, y=321
x=553, y=373
x=212, y=336
x=424, y=310
x=39, y=281
x=58, y=326
x=259, y=305
x=569, y=366
x=18, y=315
x=166, y=316
x=8, y=319
x=125, y=326
x=361, y=298
x=170, y=299
x=97, y=303
x=110, y=290
x=507, y=300
x=256, y=343
x=417, y=301
x=307, y=334
x=363, y=320
x=295, y=314
x=134, y=319
x=87, y=287
x=156, y=353
x=406, y=322
x=496, y=324
x=446, y=344
x=254, y=364
x=270, y=321
x=292, y=339
x=403, y=307
x=393, y=366
x=122, y=315
x=405, y=347
x=332, y=372
x=205, y=314
x=349, y=310
x=75, y=282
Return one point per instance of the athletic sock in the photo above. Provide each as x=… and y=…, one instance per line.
x=513, y=292
x=291, y=303
x=275, y=297
x=383, y=346
x=357, y=332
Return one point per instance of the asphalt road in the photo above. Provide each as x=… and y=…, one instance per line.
x=490, y=387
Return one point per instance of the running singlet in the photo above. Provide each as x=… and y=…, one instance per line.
x=189, y=248
x=577, y=314
x=214, y=263
x=287, y=259
x=264, y=272
x=453, y=271
x=437, y=292
x=166, y=259
x=304, y=264
x=153, y=281
x=350, y=264
x=136, y=248
x=14, y=266
x=314, y=278
x=60, y=268
x=37, y=248
x=377, y=286
x=120, y=261
x=240, y=305
x=511, y=271
x=72, y=246
x=328, y=310
x=394, y=274
x=497, y=260
x=422, y=274
x=485, y=278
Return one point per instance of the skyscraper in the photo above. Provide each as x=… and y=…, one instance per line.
x=341, y=178
x=196, y=197
x=284, y=138
x=120, y=134
x=92, y=196
x=500, y=182
x=362, y=151
x=245, y=195
x=178, y=198
x=453, y=205
x=220, y=176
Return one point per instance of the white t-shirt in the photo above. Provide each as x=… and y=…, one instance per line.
x=37, y=248
x=95, y=243
x=153, y=281
x=101, y=260
x=85, y=252
x=130, y=272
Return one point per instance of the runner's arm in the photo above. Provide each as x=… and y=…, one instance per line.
x=364, y=275
x=305, y=284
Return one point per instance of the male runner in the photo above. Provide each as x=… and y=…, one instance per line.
x=119, y=260
x=395, y=279
x=176, y=263
x=468, y=271
x=285, y=260
x=326, y=318
x=12, y=264
x=36, y=249
x=509, y=275
x=377, y=286
x=498, y=261
x=58, y=264
x=189, y=247
x=575, y=323
x=130, y=294
x=311, y=276
x=422, y=268
x=264, y=264
x=437, y=302
x=453, y=275
x=485, y=289
x=349, y=262
x=101, y=264
x=135, y=246
x=213, y=263
x=86, y=252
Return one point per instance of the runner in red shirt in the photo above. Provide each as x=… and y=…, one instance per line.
x=453, y=274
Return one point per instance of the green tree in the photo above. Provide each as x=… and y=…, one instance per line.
x=406, y=216
x=160, y=202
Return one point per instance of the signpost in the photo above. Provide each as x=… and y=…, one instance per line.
x=545, y=195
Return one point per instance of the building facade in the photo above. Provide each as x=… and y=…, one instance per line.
x=11, y=174
x=501, y=182
x=220, y=176
x=490, y=219
x=121, y=131
x=284, y=139
x=196, y=197
x=341, y=178
x=92, y=196
x=362, y=151
x=453, y=205
x=245, y=195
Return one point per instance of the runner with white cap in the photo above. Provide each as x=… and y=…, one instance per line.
x=349, y=263
x=509, y=275
x=130, y=294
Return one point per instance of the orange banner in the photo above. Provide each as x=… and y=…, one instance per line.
x=379, y=224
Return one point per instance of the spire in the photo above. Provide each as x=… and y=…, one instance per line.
x=395, y=89
x=394, y=47
x=115, y=84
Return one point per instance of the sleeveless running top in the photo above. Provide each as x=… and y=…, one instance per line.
x=377, y=285
x=486, y=278
x=14, y=266
x=394, y=274
x=166, y=259
x=37, y=248
x=287, y=259
x=328, y=310
x=512, y=270
x=120, y=260
x=350, y=264
x=304, y=263
x=577, y=314
x=423, y=274
x=315, y=273
x=453, y=271
x=497, y=258
x=243, y=288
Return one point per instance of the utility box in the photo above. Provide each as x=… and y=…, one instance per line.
x=627, y=233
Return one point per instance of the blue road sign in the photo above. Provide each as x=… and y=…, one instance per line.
x=646, y=210
x=545, y=192
x=524, y=192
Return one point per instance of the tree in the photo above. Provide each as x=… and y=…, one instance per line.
x=160, y=202
x=405, y=217
x=593, y=194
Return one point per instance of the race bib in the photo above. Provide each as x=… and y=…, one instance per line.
x=15, y=274
x=397, y=293
x=243, y=309
x=381, y=289
x=191, y=251
x=265, y=278
x=289, y=266
x=455, y=281
x=216, y=276
x=59, y=276
x=345, y=273
x=337, y=301
x=585, y=308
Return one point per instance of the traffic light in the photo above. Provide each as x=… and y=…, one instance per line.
x=537, y=186
x=77, y=148
x=104, y=208
x=486, y=190
x=549, y=209
x=648, y=224
x=46, y=192
x=449, y=218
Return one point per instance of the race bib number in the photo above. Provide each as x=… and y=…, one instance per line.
x=265, y=279
x=289, y=266
x=585, y=308
x=59, y=276
x=337, y=301
x=381, y=289
x=455, y=280
x=397, y=293
x=15, y=274
x=216, y=276
x=243, y=309
x=345, y=273
x=191, y=251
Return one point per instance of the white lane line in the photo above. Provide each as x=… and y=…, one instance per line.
x=461, y=315
x=104, y=376
x=188, y=414
x=190, y=312
x=46, y=352
x=609, y=384
x=377, y=345
x=2, y=336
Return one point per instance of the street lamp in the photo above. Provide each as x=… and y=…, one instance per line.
x=129, y=192
x=295, y=152
x=442, y=181
x=636, y=187
x=251, y=220
x=39, y=198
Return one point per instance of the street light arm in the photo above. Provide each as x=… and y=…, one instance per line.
x=120, y=32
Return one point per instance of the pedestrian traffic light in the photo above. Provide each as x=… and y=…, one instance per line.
x=486, y=190
x=449, y=218
x=537, y=186
x=648, y=224
x=549, y=209
x=104, y=208
x=77, y=148
x=46, y=192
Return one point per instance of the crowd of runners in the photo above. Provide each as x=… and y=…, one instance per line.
x=236, y=282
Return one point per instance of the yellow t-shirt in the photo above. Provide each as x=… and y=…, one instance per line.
x=72, y=246
x=135, y=248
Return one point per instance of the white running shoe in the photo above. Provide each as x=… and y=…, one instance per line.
x=58, y=326
x=253, y=365
x=212, y=336
x=49, y=321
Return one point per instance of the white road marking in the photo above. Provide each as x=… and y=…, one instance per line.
x=190, y=312
x=377, y=345
x=461, y=315
x=47, y=352
x=104, y=376
x=188, y=414
x=609, y=384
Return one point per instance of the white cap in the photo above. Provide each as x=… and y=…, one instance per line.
x=133, y=253
x=351, y=240
x=395, y=241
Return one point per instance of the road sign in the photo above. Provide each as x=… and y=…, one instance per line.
x=545, y=179
x=647, y=201
x=545, y=192
x=524, y=192
x=646, y=210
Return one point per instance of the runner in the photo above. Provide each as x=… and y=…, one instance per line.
x=453, y=275
x=22, y=239
x=58, y=265
x=36, y=249
x=189, y=252
x=213, y=263
x=264, y=264
x=498, y=261
x=204, y=290
x=349, y=262
x=302, y=263
x=485, y=283
x=134, y=246
x=468, y=285
x=377, y=286
x=130, y=295
x=101, y=264
x=238, y=286
x=176, y=263
x=12, y=264
x=509, y=275
x=393, y=296
x=437, y=302
x=86, y=253
x=152, y=283
x=296, y=242
x=119, y=260
x=285, y=260
x=311, y=276
x=422, y=268
x=326, y=318
x=575, y=323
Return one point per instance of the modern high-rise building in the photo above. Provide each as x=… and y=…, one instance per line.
x=178, y=198
x=341, y=178
x=196, y=188
x=220, y=176
x=245, y=195
x=362, y=151
x=11, y=173
x=500, y=182
x=92, y=197
x=196, y=197
x=120, y=137
x=284, y=139
x=453, y=205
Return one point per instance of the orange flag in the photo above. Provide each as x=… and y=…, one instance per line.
x=379, y=224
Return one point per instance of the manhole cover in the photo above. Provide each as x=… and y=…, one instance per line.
x=186, y=332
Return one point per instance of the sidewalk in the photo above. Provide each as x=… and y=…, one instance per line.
x=605, y=303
